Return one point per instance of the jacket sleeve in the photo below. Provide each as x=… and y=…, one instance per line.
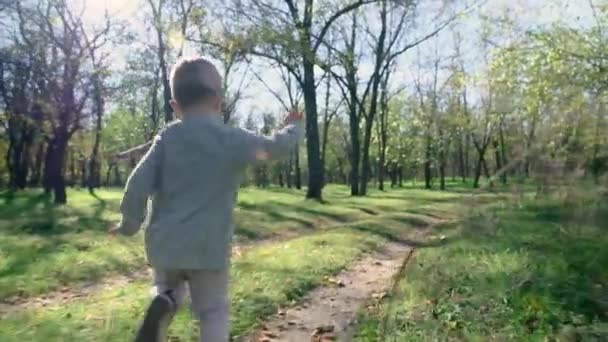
x=250, y=147
x=140, y=186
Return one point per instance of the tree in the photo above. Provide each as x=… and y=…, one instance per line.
x=292, y=102
x=157, y=10
x=54, y=37
x=298, y=53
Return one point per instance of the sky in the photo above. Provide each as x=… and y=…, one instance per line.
x=528, y=14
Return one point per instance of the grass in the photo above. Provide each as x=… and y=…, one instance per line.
x=264, y=279
x=43, y=247
x=528, y=271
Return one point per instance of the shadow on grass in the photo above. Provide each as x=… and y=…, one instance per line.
x=276, y=211
x=34, y=229
x=367, y=211
x=17, y=205
x=35, y=214
x=246, y=231
x=22, y=257
x=400, y=235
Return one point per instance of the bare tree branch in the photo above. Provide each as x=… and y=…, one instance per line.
x=335, y=17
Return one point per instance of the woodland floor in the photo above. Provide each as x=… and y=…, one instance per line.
x=405, y=263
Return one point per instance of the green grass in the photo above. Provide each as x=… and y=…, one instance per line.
x=532, y=271
x=264, y=279
x=43, y=247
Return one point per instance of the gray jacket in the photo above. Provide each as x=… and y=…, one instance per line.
x=192, y=174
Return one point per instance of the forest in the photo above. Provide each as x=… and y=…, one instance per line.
x=76, y=95
x=481, y=122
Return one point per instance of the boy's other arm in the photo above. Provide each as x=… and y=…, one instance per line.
x=140, y=186
x=252, y=147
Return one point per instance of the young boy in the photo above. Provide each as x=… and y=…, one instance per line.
x=192, y=173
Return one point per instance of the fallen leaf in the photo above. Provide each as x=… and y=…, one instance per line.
x=380, y=295
x=269, y=334
x=323, y=329
x=328, y=337
x=433, y=301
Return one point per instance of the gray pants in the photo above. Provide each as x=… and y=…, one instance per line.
x=210, y=298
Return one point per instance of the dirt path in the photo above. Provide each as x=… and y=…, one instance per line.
x=85, y=289
x=329, y=312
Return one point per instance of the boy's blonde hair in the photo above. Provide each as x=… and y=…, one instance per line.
x=193, y=80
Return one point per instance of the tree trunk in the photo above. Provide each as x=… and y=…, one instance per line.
x=94, y=165
x=280, y=176
x=72, y=163
x=381, y=172
x=154, y=113
x=109, y=173
x=384, y=112
x=365, y=163
x=503, y=153
x=373, y=104
x=117, y=178
x=454, y=165
x=162, y=63
x=355, y=149
x=18, y=154
x=442, y=169
x=315, y=170
x=83, y=171
x=46, y=175
x=288, y=170
x=10, y=163
x=477, y=175
x=529, y=141
x=461, y=159
x=56, y=156
x=297, y=169
x=467, y=158
x=427, y=163
x=324, y=144
x=400, y=175
x=327, y=117
x=497, y=156
x=37, y=168
x=393, y=174
x=24, y=162
x=486, y=170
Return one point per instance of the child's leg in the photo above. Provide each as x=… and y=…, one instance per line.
x=169, y=287
x=211, y=303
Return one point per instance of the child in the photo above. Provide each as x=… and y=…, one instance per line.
x=192, y=173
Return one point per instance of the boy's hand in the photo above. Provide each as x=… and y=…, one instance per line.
x=293, y=117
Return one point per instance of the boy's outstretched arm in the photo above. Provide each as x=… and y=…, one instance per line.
x=140, y=186
x=254, y=147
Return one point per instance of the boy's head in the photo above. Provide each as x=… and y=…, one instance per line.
x=195, y=82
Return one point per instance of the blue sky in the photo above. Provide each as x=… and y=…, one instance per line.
x=528, y=14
